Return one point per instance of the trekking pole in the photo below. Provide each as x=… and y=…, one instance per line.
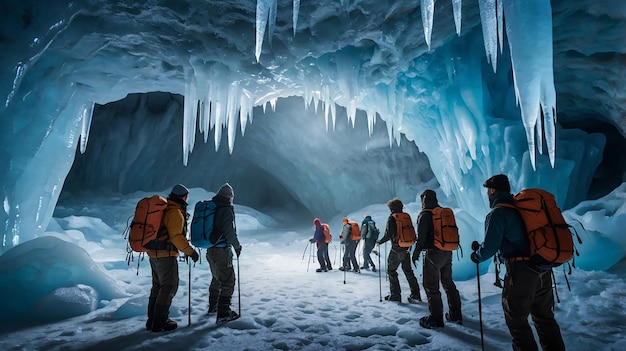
x=238, y=287
x=189, y=296
x=380, y=279
x=335, y=263
x=307, y=246
x=476, y=246
x=309, y=262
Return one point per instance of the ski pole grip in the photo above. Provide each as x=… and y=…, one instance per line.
x=475, y=245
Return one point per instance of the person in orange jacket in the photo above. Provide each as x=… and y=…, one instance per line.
x=172, y=237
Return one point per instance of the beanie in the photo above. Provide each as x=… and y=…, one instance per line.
x=180, y=190
x=226, y=191
x=317, y=221
x=499, y=182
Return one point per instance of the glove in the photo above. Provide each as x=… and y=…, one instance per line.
x=474, y=257
x=238, y=251
x=475, y=245
x=194, y=256
x=311, y=240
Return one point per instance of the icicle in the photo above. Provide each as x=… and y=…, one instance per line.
x=490, y=30
x=189, y=117
x=219, y=116
x=87, y=115
x=262, y=11
x=273, y=103
x=371, y=119
x=428, y=9
x=316, y=100
x=500, y=16
x=271, y=24
x=351, y=112
x=232, y=107
x=456, y=8
x=245, y=109
x=529, y=33
x=296, y=11
x=333, y=113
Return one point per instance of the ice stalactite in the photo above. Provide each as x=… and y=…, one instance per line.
x=86, y=117
x=262, y=15
x=296, y=11
x=488, y=18
x=190, y=111
x=456, y=8
x=529, y=33
x=428, y=9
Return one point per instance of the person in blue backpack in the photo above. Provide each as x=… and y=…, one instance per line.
x=369, y=235
x=220, y=257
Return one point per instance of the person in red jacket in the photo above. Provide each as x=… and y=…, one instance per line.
x=172, y=237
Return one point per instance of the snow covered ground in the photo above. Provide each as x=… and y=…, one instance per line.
x=285, y=304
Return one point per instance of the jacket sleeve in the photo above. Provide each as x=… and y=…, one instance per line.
x=174, y=221
x=364, y=230
x=319, y=234
x=495, y=226
x=226, y=224
x=424, y=228
x=390, y=230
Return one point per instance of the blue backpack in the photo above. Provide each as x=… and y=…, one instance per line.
x=202, y=224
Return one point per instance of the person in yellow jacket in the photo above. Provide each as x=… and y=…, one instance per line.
x=172, y=238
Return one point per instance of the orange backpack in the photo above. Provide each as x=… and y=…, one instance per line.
x=355, y=230
x=551, y=241
x=327, y=236
x=446, y=233
x=146, y=222
x=406, y=232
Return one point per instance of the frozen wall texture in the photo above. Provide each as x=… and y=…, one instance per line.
x=481, y=87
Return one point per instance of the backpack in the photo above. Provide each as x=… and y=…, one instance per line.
x=445, y=231
x=355, y=231
x=372, y=232
x=551, y=241
x=202, y=224
x=327, y=236
x=146, y=222
x=406, y=232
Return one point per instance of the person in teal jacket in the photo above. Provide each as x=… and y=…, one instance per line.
x=369, y=235
x=527, y=287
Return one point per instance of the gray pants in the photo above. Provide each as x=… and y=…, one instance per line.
x=438, y=268
x=401, y=256
x=223, y=281
x=164, y=280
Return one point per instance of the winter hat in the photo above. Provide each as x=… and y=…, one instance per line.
x=317, y=222
x=180, y=190
x=498, y=182
x=344, y=220
x=226, y=191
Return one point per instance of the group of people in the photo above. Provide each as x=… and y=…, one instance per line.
x=173, y=238
x=527, y=288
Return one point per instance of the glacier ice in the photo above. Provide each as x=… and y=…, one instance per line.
x=366, y=56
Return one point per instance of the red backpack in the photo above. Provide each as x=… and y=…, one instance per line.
x=406, y=232
x=551, y=241
x=327, y=236
x=146, y=222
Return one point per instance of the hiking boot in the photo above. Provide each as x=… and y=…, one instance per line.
x=149, y=324
x=458, y=321
x=396, y=298
x=168, y=326
x=366, y=268
x=347, y=269
x=430, y=322
x=228, y=316
x=319, y=270
x=357, y=271
x=373, y=269
x=212, y=309
x=413, y=298
x=330, y=268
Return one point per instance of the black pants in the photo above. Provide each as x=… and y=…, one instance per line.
x=401, y=256
x=438, y=268
x=349, y=258
x=529, y=291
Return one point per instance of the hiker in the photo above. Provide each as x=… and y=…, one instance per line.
x=527, y=287
x=398, y=255
x=164, y=260
x=369, y=235
x=322, y=247
x=220, y=256
x=349, y=257
x=437, y=266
